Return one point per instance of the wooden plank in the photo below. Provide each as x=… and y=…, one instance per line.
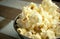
x=4, y=22
x=9, y=12
x=4, y=36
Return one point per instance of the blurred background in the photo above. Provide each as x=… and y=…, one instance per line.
x=9, y=9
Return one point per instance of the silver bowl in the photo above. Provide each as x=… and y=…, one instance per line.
x=20, y=35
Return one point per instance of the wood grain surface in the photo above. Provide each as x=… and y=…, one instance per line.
x=3, y=36
x=8, y=13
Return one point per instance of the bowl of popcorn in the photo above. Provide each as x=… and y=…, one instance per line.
x=40, y=21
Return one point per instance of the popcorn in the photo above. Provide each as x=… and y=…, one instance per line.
x=41, y=19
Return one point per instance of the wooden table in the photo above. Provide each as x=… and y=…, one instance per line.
x=3, y=36
x=9, y=14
